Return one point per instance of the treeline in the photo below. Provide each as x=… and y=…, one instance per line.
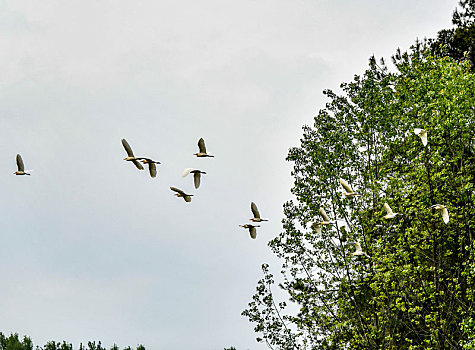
x=13, y=342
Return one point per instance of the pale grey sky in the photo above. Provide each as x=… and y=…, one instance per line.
x=93, y=249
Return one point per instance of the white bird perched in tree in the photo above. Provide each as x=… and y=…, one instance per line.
x=390, y=214
x=359, y=250
x=326, y=218
x=152, y=168
x=443, y=211
x=255, y=212
x=20, y=166
x=180, y=193
x=196, y=175
x=252, y=229
x=130, y=155
x=202, y=147
x=349, y=191
x=422, y=134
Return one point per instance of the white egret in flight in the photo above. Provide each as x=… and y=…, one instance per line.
x=422, y=134
x=443, y=211
x=252, y=229
x=390, y=214
x=349, y=191
x=180, y=193
x=202, y=147
x=196, y=175
x=152, y=168
x=359, y=250
x=255, y=212
x=130, y=155
x=20, y=166
x=326, y=218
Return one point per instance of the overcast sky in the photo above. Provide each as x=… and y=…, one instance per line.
x=94, y=249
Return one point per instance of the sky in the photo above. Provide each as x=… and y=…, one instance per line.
x=94, y=249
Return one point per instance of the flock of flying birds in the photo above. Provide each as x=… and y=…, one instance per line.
x=349, y=192
x=152, y=167
x=196, y=178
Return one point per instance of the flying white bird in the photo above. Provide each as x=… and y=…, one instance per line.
x=390, y=214
x=196, y=175
x=326, y=218
x=359, y=250
x=252, y=229
x=152, y=168
x=255, y=212
x=202, y=147
x=349, y=191
x=180, y=193
x=422, y=134
x=443, y=211
x=20, y=166
x=130, y=155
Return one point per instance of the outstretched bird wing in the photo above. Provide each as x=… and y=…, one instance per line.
x=178, y=191
x=19, y=163
x=346, y=186
x=324, y=214
x=152, y=168
x=137, y=164
x=253, y=232
x=197, y=179
x=388, y=209
x=127, y=147
x=424, y=138
x=445, y=215
x=201, y=145
x=254, y=210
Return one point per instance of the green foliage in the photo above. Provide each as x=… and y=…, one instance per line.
x=416, y=288
x=468, y=324
x=52, y=345
x=459, y=42
x=14, y=343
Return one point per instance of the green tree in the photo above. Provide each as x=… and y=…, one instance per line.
x=460, y=41
x=52, y=345
x=468, y=324
x=13, y=342
x=414, y=289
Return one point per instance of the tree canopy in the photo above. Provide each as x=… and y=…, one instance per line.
x=414, y=287
x=13, y=342
x=458, y=42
